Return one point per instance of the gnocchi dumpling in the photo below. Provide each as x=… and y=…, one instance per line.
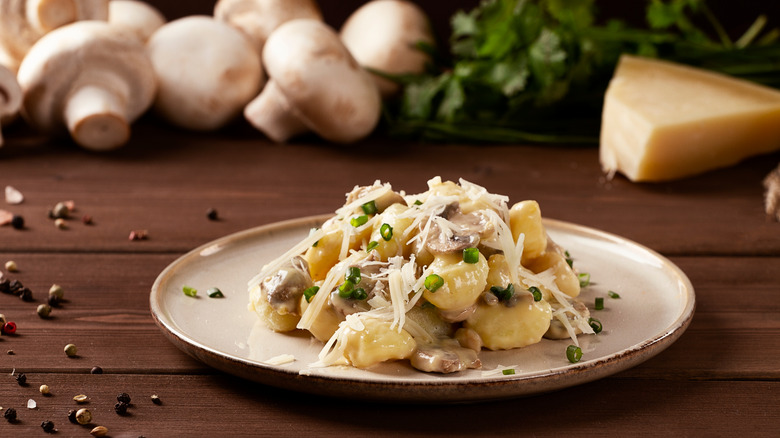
x=463, y=282
x=376, y=343
x=501, y=327
x=525, y=217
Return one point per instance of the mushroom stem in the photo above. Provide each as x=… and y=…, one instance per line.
x=96, y=119
x=270, y=112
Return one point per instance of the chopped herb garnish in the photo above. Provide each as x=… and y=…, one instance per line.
x=536, y=293
x=359, y=294
x=358, y=221
x=599, y=303
x=584, y=279
x=314, y=245
x=503, y=294
x=386, y=231
x=214, y=292
x=346, y=288
x=310, y=292
x=471, y=255
x=353, y=275
x=371, y=245
x=369, y=207
x=189, y=291
x=418, y=202
x=569, y=260
x=613, y=294
x=508, y=372
x=433, y=282
x=595, y=324
x=573, y=353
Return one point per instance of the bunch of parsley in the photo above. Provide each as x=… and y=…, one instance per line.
x=535, y=71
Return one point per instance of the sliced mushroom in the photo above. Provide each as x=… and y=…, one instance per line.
x=315, y=85
x=89, y=77
x=258, y=18
x=284, y=289
x=463, y=231
x=446, y=356
x=10, y=97
x=138, y=17
x=23, y=22
x=558, y=331
x=207, y=72
x=383, y=35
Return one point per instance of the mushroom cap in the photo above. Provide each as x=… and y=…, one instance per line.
x=258, y=18
x=140, y=18
x=207, y=72
x=84, y=53
x=23, y=22
x=329, y=91
x=382, y=35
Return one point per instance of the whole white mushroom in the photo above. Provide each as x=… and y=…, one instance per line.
x=138, y=17
x=258, y=18
x=315, y=85
x=207, y=72
x=10, y=97
x=23, y=22
x=382, y=35
x=89, y=77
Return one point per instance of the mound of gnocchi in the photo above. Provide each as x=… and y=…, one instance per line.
x=431, y=278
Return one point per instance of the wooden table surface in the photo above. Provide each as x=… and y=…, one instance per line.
x=721, y=378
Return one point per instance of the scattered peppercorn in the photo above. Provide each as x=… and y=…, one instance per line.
x=71, y=350
x=60, y=223
x=81, y=398
x=47, y=426
x=121, y=408
x=60, y=211
x=99, y=431
x=17, y=222
x=44, y=389
x=9, y=328
x=2, y=319
x=10, y=415
x=123, y=397
x=86, y=219
x=83, y=416
x=5, y=286
x=72, y=416
x=138, y=235
x=156, y=399
x=56, y=291
x=96, y=370
x=53, y=301
x=26, y=294
x=21, y=378
x=10, y=352
x=211, y=213
x=11, y=266
x=44, y=310
x=15, y=287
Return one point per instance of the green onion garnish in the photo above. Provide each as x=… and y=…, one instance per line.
x=471, y=255
x=358, y=220
x=386, y=231
x=309, y=293
x=595, y=324
x=613, y=294
x=433, y=282
x=508, y=372
x=573, y=353
x=503, y=294
x=315, y=244
x=353, y=275
x=584, y=279
x=359, y=294
x=369, y=207
x=189, y=291
x=569, y=260
x=371, y=245
x=536, y=293
x=599, y=303
x=346, y=288
x=418, y=202
x=214, y=292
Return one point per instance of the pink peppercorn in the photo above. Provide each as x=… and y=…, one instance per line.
x=9, y=328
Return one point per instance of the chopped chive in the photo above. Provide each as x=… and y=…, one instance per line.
x=310, y=292
x=573, y=353
x=503, y=294
x=353, y=275
x=314, y=245
x=359, y=294
x=369, y=207
x=386, y=231
x=569, y=260
x=595, y=324
x=371, y=245
x=584, y=279
x=214, y=292
x=418, y=202
x=508, y=372
x=599, y=303
x=433, y=282
x=346, y=288
x=613, y=294
x=471, y=255
x=358, y=220
x=189, y=291
x=536, y=293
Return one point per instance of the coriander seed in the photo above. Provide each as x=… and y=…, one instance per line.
x=44, y=389
x=60, y=211
x=44, y=310
x=2, y=319
x=11, y=266
x=47, y=426
x=81, y=398
x=71, y=350
x=83, y=416
x=60, y=223
x=99, y=431
x=56, y=291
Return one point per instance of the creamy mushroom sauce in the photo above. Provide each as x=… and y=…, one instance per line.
x=432, y=278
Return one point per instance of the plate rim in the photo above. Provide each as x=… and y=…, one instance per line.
x=443, y=391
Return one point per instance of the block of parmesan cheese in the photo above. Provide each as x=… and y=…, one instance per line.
x=663, y=121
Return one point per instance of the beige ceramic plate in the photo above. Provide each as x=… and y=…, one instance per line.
x=656, y=305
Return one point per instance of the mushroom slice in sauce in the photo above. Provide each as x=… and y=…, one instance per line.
x=445, y=356
x=370, y=269
x=558, y=331
x=464, y=231
x=284, y=289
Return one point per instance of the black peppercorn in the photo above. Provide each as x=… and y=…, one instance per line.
x=17, y=222
x=123, y=397
x=10, y=414
x=47, y=426
x=54, y=301
x=72, y=416
x=121, y=407
x=212, y=214
x=15, y=287
x=26, y=294
x=96, y=370
x=21, y=378
x=5, y=286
